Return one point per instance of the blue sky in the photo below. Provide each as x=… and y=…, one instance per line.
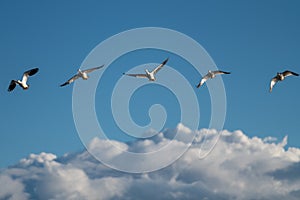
x=251, y=39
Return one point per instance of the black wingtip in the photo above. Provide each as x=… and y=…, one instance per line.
x=11, y=86
x=32, y=72
x=100, y=67
x=165, y=61
x=35, y=69
x=64, y=84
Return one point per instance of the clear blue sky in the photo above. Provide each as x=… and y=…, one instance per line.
x=252, y=39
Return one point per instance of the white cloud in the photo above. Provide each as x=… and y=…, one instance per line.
x=239, y=167
x=270, y=139
x=11, y=189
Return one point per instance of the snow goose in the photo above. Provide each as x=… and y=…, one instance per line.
x=81, y=74
x=23, y=82
x=210, y=75
x=281, y=77
x=149, y=75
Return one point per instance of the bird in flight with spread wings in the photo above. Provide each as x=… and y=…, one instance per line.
x=81, y=74
x=210, y=75
x=281, y=77
x=149, y=75
x=23, y=82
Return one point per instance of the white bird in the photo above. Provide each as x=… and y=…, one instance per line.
x=210, y=75
x=281, y=77
x=22, y=83
x=81, y=74
x=149, y=75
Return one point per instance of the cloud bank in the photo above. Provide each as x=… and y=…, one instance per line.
x=239, y=167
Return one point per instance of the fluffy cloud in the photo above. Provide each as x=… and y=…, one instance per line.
x=239, y=167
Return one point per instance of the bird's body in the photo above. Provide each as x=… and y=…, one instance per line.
x=149, y=75
x=81, y=74
x=22, y=83
x=280, y=77
x=210, y=75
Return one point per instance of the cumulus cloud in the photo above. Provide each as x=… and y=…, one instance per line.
x=239, y=167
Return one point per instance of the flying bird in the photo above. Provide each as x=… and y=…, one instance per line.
x=81, y=74
x=210, y=75
x=23, y=82
x=149, y=75
x=281, y=77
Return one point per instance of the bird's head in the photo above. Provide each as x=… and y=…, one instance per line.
x=147, y=72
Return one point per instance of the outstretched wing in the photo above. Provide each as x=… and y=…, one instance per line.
x=160, y=66
x=273, y=82
x=28, y=73
x=12, y=85
x=31, y=72
x=92, y=69
x=220, y=72
x=203, y=80
x=70, y=80
x=137, y=75
x=289, y=73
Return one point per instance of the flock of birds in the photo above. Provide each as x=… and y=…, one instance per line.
x=150, y=75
